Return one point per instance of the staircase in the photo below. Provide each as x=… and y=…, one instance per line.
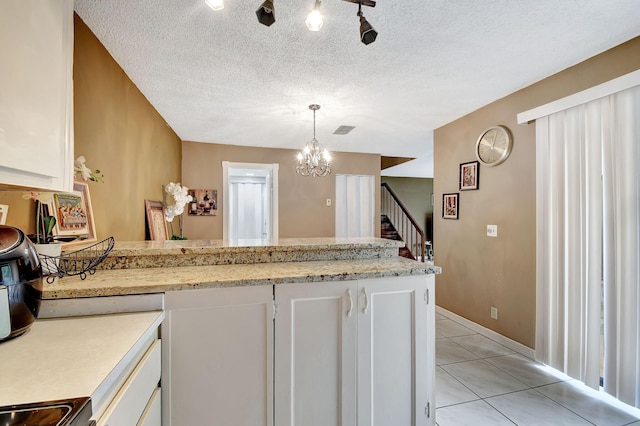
x=388, y=231
x=396, y=223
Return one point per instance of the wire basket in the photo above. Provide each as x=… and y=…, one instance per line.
x=79, y=262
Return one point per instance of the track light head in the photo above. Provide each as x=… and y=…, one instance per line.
x=367, y=33
x=265, y=13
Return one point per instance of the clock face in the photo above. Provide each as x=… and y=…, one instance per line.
x=494, y=145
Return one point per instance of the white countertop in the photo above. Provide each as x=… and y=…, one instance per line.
x=71, y=357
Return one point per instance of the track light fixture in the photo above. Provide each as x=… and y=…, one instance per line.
x=367, y=33
x=265, y=13
x=314, y=18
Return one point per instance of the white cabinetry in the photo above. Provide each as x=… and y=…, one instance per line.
x=36, y=94
x=338, y=353
x=218, y=357
x=396, y=341
x=315, y=359
x=135, y=395
x=355, y=353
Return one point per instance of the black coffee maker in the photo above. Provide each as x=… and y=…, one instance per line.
x=20, y=283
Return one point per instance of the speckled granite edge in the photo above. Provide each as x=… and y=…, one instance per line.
x=156, y=254
x=157, y=280
x=230, y=256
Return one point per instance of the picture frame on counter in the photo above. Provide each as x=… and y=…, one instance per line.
x=74, y=215
x=450, y=206
x=204, y=202
x=155, y=218
x=469, y=176
x=4, y=210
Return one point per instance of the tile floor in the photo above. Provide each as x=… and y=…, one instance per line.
x=480, y=382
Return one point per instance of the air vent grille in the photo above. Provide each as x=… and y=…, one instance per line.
x=343, y=130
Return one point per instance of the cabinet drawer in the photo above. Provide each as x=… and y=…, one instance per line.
x=152, y=415
x=130, y=402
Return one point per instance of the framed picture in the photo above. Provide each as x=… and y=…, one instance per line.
x=156, y=223
x=469, y=175
x=74, y=215
x=4, y=209
x=450, y=206
x=204, y=202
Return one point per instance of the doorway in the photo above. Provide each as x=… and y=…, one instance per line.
x=250, y=201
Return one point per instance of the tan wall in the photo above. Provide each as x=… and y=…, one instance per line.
x=480, y=271
x=120, y=133
x=302, y=200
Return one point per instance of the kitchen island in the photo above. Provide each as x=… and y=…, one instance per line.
x=293, y=332
x=143, y=267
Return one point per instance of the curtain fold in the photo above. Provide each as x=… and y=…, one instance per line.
x=621, y=159
x=588, y=229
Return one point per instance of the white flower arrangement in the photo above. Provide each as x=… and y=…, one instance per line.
x=180, y=199
x=86, y=173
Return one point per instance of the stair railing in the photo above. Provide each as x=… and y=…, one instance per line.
x=407, y=227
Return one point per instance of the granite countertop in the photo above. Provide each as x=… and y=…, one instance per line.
x=157, y=280
x=143, y=267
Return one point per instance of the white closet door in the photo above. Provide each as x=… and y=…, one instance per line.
x=355, y=196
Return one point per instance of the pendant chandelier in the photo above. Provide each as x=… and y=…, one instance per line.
x=314, y=160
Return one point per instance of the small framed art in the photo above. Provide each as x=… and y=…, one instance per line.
x=469, y=175
x=4, y=209
x=450, y=206
x=74, y=215
x=204, y=202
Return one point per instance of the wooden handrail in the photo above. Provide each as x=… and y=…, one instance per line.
x=408, y=234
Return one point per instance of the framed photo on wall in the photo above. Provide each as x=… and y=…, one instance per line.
x=450, y=206
x=74, y=215
x=156, y=224
x=469, y=175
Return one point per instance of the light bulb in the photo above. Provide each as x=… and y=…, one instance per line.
x=314, y=18
x=215, y=4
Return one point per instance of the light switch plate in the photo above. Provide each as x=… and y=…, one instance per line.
x=328, y=202
x=492, y=230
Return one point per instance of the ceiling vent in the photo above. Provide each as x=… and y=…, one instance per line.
x=343, y=130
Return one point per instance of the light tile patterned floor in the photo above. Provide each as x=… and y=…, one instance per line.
x=480, y=382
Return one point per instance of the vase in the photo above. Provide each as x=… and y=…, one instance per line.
x=50, y=263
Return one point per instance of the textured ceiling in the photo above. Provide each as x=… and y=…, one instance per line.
x=222, y=77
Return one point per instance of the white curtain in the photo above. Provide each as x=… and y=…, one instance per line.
x=355, y=210
x=621, y=154
x=588, y=230
x=247, y=210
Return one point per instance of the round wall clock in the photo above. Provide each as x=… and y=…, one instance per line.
x=494, y=145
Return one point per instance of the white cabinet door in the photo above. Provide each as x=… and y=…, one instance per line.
x=315, y=358
x=218, y=357
x=36, y=94
x=395, y=351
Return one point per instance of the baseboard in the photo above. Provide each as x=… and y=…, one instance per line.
x=497, y=337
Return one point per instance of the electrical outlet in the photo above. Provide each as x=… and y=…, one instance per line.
x=492, y=230
x=494, y=312
x=328, y=202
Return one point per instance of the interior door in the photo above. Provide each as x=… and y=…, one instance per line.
x=249, y=201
